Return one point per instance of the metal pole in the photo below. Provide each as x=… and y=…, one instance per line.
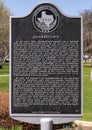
x=46, y=124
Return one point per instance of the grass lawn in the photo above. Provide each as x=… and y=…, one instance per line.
x=13, y=128
x=4, y=78
x=4, y=83
x=87, y=88
x=87, y=95
x=5, y=69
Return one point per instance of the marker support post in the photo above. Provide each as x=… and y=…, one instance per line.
x=46, y=124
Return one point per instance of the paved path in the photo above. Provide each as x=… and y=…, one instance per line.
x=4, y=75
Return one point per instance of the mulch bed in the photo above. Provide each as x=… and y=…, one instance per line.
x=5, y=120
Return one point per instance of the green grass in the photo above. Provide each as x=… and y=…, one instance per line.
x=87, y=100
x=5, y=69
x=4, y=78
x=13, y=128
x=4, y=83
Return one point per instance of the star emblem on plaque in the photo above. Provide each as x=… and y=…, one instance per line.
x=45, y=19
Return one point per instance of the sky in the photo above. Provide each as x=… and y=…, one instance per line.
x=68, y=7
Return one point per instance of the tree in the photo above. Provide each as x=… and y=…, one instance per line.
x=4, y=29
x=87, y=30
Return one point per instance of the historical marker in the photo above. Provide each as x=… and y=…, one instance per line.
x=46, y=65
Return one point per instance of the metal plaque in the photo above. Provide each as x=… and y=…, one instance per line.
x=46, y=65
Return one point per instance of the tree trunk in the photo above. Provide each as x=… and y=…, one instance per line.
x=6, y=55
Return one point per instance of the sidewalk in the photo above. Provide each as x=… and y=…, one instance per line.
x=84, y=123
x=81, y=125
x=4, y=75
